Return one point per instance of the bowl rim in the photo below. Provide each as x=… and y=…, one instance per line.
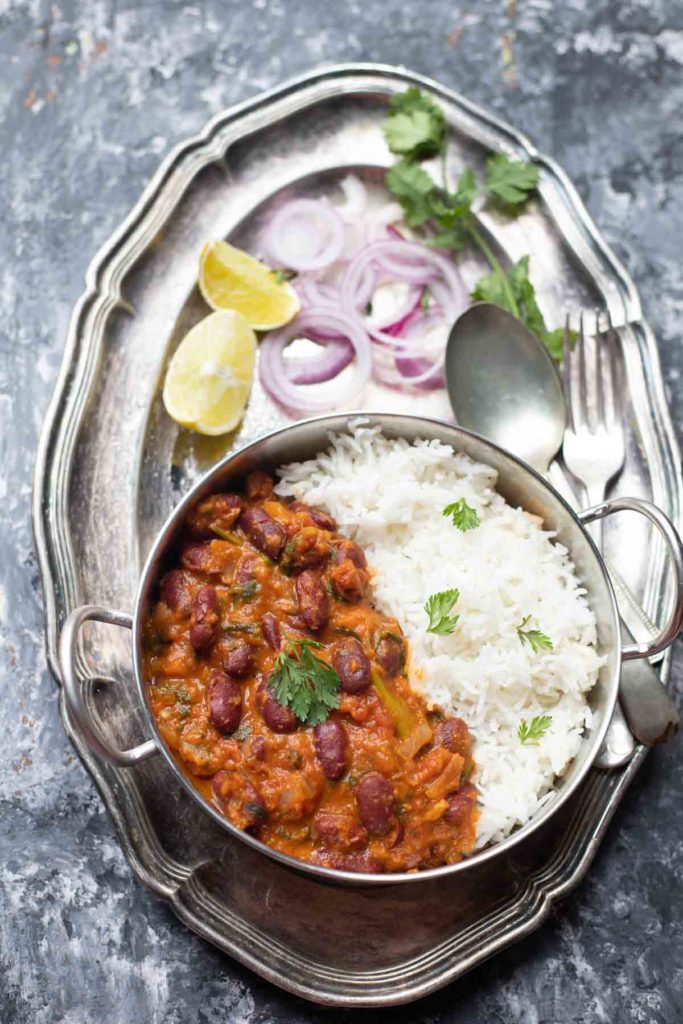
x=335, y=875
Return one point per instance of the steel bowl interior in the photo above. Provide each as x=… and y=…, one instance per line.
x=520, y=486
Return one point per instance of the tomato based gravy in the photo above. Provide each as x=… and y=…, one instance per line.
x=283, y=693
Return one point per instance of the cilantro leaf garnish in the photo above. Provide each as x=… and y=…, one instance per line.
x=437, y=607
x=510, y=181
x=304, y=683
x=531, y=732
x=553, y=341
x=415, y=126
x=515, y=292
x=535, y=639
x=463, y=515
x=412, y=99
x=413, y=188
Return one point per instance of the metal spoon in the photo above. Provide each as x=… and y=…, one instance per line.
x=503, y=384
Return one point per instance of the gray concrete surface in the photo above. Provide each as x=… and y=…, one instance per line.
x=92, y=96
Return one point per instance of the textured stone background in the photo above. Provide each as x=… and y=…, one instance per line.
x=92, y=95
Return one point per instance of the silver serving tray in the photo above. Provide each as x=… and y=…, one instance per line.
x=111, y=465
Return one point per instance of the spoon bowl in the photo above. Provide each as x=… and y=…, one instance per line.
x=487, y=346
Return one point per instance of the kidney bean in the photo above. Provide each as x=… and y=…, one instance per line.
x=239, y=659
x=298, y=623
x=275, y=715
x=460, y=804
x=175, y=592
x=454, y=735
x=347, y=549
x=225, y=702
x=314, y=603
x=205, y=603
x=239, y=799
x=198, y=558
x=316, y=515
x=257, y=747
x=253, y=808
x=322, y=519
x=351, y=662
x=259, y=485
x=339, y=829
x=375, y=799
x=264, y=532
x=220, y=510
x=307, y=548
x=219, y=782
x=270, y=628
x=245, y=571
x=204, y=619
x=348, y=581
x=362, y=863
x=389, y=654
x=331, y=748
x=202, y=636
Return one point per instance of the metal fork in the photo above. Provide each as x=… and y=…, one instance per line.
x=593, y=447
x=594, y=452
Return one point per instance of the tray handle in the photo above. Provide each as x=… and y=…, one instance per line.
x=74, y=695
x=668, y=633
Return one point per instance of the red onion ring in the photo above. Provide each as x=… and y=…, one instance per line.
x=403, y=319
x=407, y=261
x=335, y=357
x=416, y=370
x=272, y=365
x=325, y=227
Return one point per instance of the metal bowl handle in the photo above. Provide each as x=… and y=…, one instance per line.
x=670, y=631
x=72, y=687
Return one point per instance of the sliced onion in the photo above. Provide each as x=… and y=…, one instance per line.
x=402, y=319
x=317, y=293
x=419, y=372
x=324, y=235
x=406, y=261
x=323, y=366
x=272, y=364
x=344, y=254
x=414, y=368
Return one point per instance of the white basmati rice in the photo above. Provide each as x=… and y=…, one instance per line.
x=389, y=497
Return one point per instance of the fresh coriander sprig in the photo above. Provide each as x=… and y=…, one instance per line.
x=304, y=683
x=415, y=128
x=437, y=607
x=536, y=640
x=463, y=515
x=530, y=732
x=510, y=181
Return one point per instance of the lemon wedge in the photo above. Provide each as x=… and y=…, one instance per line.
x=230, y=279
x=208, y=379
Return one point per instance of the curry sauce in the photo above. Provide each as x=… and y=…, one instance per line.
x=284, y=695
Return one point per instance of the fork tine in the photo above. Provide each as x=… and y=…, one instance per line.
x=567, y=372
x=611, y=378
x=581, y=417
x=601, y=371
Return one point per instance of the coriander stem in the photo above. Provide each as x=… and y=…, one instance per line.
x=496, y=267
x=444, y=177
